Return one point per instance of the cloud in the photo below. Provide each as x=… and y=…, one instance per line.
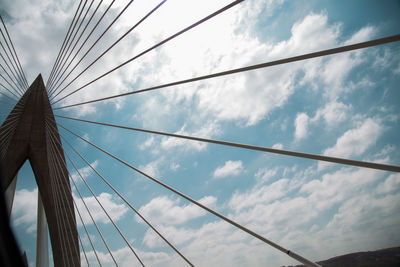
x=166, y=211
x=301, y=125
x=337, y=68
x=126, y=258
x=250, y=98
x=152, y=168
x=385, y=60
x=337, y=210
x=294, y=219
x=84, y=171
x=177, y=237
x=110, y=204
x=362, y=35
x=155, y=167
x=330, y=73
x=28, y=26
x=174, y=166
x=332, y=113
x=259, y=195
x=245, y=98
x=41, y=24
x=278, y=146
x=208, y=130
x=148, y=143
x=363, y=218
x=313, y=27
x=334, y=188
x=356, y=141
x=24, y=210
x=264, y=175
x=223, y=245
x=230, y=168
x=390, y=185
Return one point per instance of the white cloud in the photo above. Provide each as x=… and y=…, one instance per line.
x=276, y=213
x=148, y=143
x=230, y=168
x=86, y=241
x=177, y=237
x=385, y=152
x=313, y=27
x=336, y=70
x=84, y=171
x=155, y=167
x=125, y=257
x=338, y=67
x=41, y=24
x=294, y=221
x=356, y=141
x=363, y=221
x=385, y=60
x=174, y=166
x=277, y=146
x=333, y=113
x=333, y=71
x=362, y=35
x=264, y=175
x=110, y=204
x=301, y=125
x=24, y=210
x=334, y=188
x=259, y=195
x=245, y=98
x=152, y=168
x=223, y=245
x=391, y=184
x=167, y=211
x=275, y=217
x=206, y=131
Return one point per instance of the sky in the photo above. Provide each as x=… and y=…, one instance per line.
x=344, y=105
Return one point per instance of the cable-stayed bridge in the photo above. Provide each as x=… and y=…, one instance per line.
x=32, y=130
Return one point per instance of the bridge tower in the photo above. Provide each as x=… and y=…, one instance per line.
x=30, y=133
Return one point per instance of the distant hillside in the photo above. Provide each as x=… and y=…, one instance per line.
x=388, y=257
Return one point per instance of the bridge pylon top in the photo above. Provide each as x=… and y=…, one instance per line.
x=30, y=133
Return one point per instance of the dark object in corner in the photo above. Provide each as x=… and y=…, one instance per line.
x=10, y=255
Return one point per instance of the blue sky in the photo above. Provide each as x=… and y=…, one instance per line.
x=345, y=105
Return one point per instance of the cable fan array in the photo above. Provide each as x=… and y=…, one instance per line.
x=59, y=86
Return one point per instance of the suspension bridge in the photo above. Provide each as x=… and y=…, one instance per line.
x=33, y=130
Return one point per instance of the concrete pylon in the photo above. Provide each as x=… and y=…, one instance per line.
x=30, y=133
